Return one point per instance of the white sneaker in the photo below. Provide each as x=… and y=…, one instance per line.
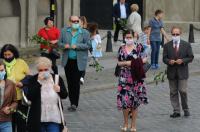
x=82, y=80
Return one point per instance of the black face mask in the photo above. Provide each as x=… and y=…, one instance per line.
x=9, y=59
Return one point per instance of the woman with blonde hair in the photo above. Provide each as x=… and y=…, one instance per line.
x=44, y=94
x=134, y=20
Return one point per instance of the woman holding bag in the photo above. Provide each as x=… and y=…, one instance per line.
x=44, y=94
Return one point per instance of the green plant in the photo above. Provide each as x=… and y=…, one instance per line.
x=160, y=77
x=95, y=64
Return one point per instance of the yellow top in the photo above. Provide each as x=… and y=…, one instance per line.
x=17, y=73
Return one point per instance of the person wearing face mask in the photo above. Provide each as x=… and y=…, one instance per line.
x=8, y=100
x=131, y=90
x=16, y=70
x=52, y=34
x=177, y=55
x=76, y=42
x=44, y=95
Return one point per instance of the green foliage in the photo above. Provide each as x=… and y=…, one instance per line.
x=38, y=40
x=96, y=65
x=160, y=77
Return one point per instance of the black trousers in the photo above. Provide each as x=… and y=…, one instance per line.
x=117, y=29
x=54, y=66
x=18, y=123
x=73, y=76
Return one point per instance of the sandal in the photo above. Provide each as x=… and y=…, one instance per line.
x=133, y=130
x=124, y=129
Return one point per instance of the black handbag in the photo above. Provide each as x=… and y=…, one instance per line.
x=146, y=66
x=117, y=71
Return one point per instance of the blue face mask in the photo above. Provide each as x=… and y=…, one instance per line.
x=46, y=74
x=75, y=26
x=2, y=75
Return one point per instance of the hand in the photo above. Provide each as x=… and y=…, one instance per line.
x=56, y=88
x=40, y=76
x=144, y=60
x=53, y=41
x=179, y=61
x=171, y=62
x=67, y=46
x=6, y=110
x=19, y=84
x=73, y=46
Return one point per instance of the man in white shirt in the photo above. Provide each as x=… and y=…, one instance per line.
x=121, y=12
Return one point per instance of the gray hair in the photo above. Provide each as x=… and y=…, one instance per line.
x=43, y=61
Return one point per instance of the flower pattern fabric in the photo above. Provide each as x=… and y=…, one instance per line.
x=130, y=93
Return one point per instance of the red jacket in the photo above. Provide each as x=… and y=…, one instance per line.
x=51, y=34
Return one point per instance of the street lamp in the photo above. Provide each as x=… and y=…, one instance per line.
x=52, y=8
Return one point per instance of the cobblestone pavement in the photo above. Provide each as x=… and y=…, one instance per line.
x=98, y=113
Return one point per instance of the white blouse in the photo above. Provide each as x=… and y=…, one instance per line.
x=49, y=102
x=134, y=22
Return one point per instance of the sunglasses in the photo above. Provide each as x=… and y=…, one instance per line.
x=41, y=70
x=174, y=34
x=75, y=21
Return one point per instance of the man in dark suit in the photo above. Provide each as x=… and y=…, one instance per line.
x=177, y=54
x=121, y=11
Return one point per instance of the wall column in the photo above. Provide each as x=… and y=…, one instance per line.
x=67, y=11
x=196, y=10
x=32, y=17
x=59, y=13
x=23, y=24
x=76, y=7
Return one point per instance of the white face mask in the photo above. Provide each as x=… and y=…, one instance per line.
x=129, y=41
x=176, y=38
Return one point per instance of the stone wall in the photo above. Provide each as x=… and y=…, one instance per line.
x=177, y=12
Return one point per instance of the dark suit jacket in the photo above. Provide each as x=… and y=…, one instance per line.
x=185, y=52
x=117, y=12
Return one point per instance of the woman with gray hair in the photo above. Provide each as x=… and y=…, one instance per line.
x=44, y=94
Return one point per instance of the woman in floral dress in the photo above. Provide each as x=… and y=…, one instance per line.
x=131, y=92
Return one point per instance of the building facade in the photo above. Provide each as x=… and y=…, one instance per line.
x=20, y=19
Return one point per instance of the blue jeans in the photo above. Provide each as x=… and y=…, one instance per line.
x=155, y=49
x=5, y=127
x=50, y=127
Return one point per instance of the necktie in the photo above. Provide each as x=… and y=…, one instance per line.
x=176, y=48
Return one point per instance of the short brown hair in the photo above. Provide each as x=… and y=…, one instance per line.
x=176, y=27
x=84, y=20
x=157, y=12
x=134, y=7
x=146, y=28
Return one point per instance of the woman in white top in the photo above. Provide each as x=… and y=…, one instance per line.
x=134, y=20
x=44, y=95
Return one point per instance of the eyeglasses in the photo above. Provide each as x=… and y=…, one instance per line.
x=75, y=21
x=41, y=70
x=174, y=34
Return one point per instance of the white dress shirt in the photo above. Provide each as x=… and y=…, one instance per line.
x=174, y=44
x=123, y=11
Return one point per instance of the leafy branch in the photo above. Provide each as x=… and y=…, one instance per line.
x=95, y=64
x=160, y=77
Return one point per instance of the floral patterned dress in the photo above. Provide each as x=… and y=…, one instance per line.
x=130, y=93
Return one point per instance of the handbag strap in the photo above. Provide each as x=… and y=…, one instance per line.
x=61, y=112
x=59, y=102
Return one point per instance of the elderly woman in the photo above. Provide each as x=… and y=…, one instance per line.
x=44, y=94
x=16, y=69
x=131, y=90
x=134, y=20
x=8, y=100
